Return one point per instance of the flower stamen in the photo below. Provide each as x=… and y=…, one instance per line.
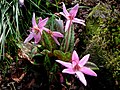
x=36, y=30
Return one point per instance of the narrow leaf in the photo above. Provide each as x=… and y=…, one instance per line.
x=91, y=65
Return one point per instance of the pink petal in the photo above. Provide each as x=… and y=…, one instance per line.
x=64, y=10
x=75, y=58
x=69, y=71
x=68, y=24
x=66, y=16
x=57, y=34
x=46, y=29
x=88, y=71
x=40, y=30
x=40, y=19
x=78, y=21
x=66, y=64
x=84, y=60
x=31, y=35
x=74, y=10
x=55, y=39
x=42, y=23
x=81, y=77
x=33, y=20
x=37, y=37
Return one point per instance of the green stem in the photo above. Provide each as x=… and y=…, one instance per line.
x=67, y=38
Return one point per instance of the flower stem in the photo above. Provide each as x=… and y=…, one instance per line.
x=67, y=38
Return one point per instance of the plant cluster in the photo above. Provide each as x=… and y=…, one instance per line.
x=46, y=39
x=51, y=48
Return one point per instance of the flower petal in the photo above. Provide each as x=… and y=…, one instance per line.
x=74, y=10
x=34, y=21
x=66, y=16
x=88, y=71
x=40, y=19
x=46, y=29
x=37, y=37
x=81, y=77
x=68, y=24
x=42, y=23
x=55, y=39
x=65, y=10
x=69, y=71
x=31, y=35
x=84, y=60
x=75, y=58
x=78, y=21
x=57, y=34
x=66, y=64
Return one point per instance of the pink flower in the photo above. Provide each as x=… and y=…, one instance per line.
x=77, y=67
x=71, y=16
x=54, y=35
x=36, y=31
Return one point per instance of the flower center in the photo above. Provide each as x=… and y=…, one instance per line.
x=76, y=67
x=36, y=29
x=70, y=17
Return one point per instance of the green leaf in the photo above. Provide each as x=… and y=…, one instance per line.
x=68, y=41
x=46, y=42
x=47, y=63
x=71, y=43
x=45, y=51
x=61, y=55
x=91, y=65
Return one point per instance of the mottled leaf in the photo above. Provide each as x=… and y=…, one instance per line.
x=61, y=55
x=91, y=65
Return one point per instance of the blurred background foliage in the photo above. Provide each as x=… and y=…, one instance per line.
x=100, y=37
x=9, y=27
x=103, y=39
